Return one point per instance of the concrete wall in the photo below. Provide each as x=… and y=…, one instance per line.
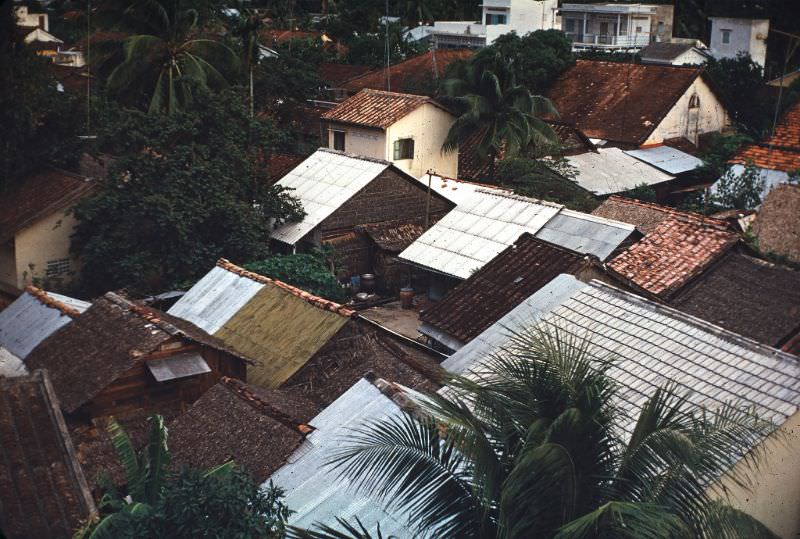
x=775, y=496
x=48, y=239
x=682, y=121
x=747, y=35
x=428, y=126
x=523, y=16
x=27, y=18
x=360, y=140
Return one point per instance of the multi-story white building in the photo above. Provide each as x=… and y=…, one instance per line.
x=497, y=18
x=616, y=26
x=731, y=36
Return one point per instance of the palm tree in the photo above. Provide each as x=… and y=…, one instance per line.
x=535, y=445
x=165, y=59
x=246, y=28
x=487, y=98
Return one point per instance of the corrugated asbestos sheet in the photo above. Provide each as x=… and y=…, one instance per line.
x=652, y=345
x=77, y=304
x=670, y=160
x=27, y=322
x=610, y=171
x=475, y=231
x=322, y=183
x=318, y=494
x=280, y=329
x=215, y=298
x=585, y=233
x=178, y=366
x=457, y=191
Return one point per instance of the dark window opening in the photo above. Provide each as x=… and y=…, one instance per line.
x=403, y=149
x=338, y=140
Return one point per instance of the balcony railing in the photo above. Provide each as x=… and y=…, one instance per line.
x=608, y=40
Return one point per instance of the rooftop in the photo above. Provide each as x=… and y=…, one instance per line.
x=415, y=75
x=43, y=492
x=672, y=254
x=664, y=51
x=645, y=216
x=37, y=196
x=619, y=102
x=256, y=428
x=781, y=151
x=748, y=296
x=376, y=108
x=494, y=290
x=777, y=224
x=337, y=74
x=651, y=345
x=610, y=170
x=667, y=159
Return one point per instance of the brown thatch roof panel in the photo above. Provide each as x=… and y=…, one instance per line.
x=43, y=493
x=777, y=225
x=282, y=330
x=231, y=422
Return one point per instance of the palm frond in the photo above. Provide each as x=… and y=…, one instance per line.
x=350, y=531
x=127, y=457
x=156, y=458
x=624, y=520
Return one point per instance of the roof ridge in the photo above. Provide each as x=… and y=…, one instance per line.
x=394, y=94
x=49, y=301
x=241, y=390
x=520, y=198
x=527, y=236
x=145, y=313
x=666, y=209
x=316, y=301
x=354, y=156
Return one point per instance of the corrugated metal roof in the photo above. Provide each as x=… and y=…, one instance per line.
x=670, y=160
x=11, y=365
x=77, y=304
x=477, y=230
x=317, y=494
x=215, y=298
x=585, y=233
x=610, y=171
x=651, y=345
x=322, y=183
x=27, y=322
x=178, y=366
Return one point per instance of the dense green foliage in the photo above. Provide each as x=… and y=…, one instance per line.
x=532, y=446
x=370, y=48
x=644, y=192
x=311, y=272
x=185, y=190
x=741, y=82
x=738, y=191
x=545, y=179
x=40, y=124
x=222, y=502
x=719, y=151
x=292, y=77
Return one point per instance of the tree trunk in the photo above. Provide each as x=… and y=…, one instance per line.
x=252, y=106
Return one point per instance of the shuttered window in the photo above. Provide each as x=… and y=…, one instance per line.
x=403, y=149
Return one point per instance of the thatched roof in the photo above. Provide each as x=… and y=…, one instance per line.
x=777, y=225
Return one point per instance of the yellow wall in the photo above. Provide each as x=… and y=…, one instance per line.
x=775, y=497
x=712, y=115
x=428, y=126
x=48, y=239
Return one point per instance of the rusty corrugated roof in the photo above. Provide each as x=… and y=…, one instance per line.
x=375, y=108
x=672, y=254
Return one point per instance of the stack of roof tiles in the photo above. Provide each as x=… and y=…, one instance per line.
x=375, y=108
x=672, y=254
x=498, y=287
x=781, y=151
x=620, y=102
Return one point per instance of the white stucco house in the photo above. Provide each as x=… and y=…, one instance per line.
x=733, y=36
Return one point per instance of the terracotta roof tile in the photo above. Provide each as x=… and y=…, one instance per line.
x=317, y=301
x=502, y=284
x=670, y=256
x=617, y=101
x=646, y=216
x=777, y=224
x=412, y=75
x=337, y=74
x=781, y=151
x=39, y=195
x=45, y=299
x=375, y=108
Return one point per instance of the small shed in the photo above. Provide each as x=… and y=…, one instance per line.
x=119, y=358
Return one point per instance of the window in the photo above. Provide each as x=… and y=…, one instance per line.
x=694, y=102
x=338, y=140
x=726, y=36
x=403, y=149
x=660, y=27
x=57, y=267
x=492, y=18
x=570, y=25
x=638, y=29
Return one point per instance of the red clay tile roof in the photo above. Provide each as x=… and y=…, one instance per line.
x=746, y=295
x=780, y=151
x=375, y=108
x=337, y=74
x=413, y=75
x=502, y=284
x=672, y=254
x=43, y=492
x=617, y=101
x=777, y=224
x=41, y=194
x=316, y=301
x=645, y=216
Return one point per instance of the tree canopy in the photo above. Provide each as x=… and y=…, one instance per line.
x=184, y=190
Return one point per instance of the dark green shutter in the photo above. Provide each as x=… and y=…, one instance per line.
x=396, y=150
